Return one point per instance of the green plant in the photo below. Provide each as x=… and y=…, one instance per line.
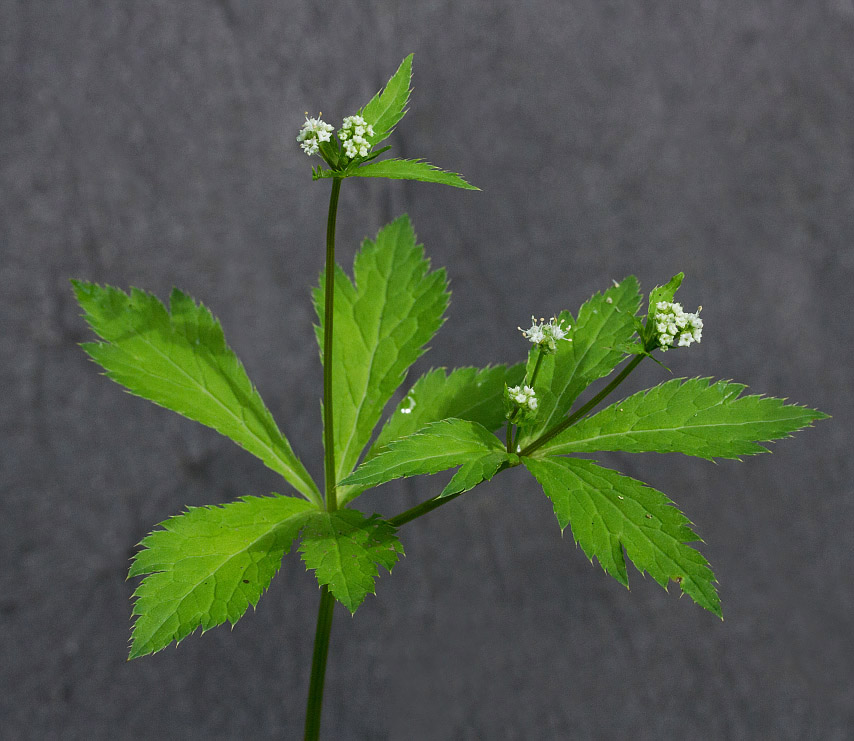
x=206, y=566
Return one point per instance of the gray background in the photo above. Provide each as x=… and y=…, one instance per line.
x=152, y=144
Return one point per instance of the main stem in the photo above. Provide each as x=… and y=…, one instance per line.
x=328, y=316
x=314, y=706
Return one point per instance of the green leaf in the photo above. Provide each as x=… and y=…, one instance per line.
x=381, y=326
x=474, y=472
x=399, y=169
x=664, y=293
x=609, y=512
x=208, y=565
x=387, y=107
x=179, y=359
x=466, y=393
x=694, y=417
x=344, y=548
x=605, y=323
x=437, y=447
x=473, y=394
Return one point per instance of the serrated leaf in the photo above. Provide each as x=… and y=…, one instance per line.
x=179, y=359
x=466, y=393
x=474, y=394
x=436, y=447
x=664, y=293
x=388, y=106
x=605, y=323
x=694, y=417
x=474, y=472
x=208, y=565
x=344, y=548
x=381, y=326
x=400, y=169
x=608, y=512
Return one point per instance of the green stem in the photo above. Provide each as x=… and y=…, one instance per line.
x=537, y=367
x=422, y=509
x=314, y=706
x=328, y=314
x=428, y=506
x=515, y=411
x=318, y=665
x=510, y=441
x=582, y=410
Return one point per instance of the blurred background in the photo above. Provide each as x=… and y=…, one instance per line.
x=152, y=144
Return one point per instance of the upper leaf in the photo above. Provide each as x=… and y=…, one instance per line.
x=344, y=548
x=609, y=512
x=437, y=447
x=694, y=417
x=605, y=323
x=208, y=565
x=399, y=169
x=469, y=393
x=664, y=293
x=179, y=359
x=381, y=326
x=388, y=106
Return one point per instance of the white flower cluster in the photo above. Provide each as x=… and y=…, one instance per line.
x=313, y=132
x=676, y=328
x=353, y=133
x=524, y=397
x=545, y=335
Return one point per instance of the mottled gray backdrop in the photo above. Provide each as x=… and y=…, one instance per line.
x=152, y=144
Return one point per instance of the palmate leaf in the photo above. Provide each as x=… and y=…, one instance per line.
x=388, y=106
x=208, y=565
x=474, y=394
x=605, y=322
x=608, y=512
x=381, y=326
x=694, y=417
x=179, y=359
x=400, y=169
x=344, y=548
x=437, y=447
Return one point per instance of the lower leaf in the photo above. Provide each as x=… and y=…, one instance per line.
x=344, y=549
x=208, y=565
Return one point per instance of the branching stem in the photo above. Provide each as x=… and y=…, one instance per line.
x=428, y=506
x=582, y=410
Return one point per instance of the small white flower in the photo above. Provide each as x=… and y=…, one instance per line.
x=545, y=335
x=524, y=397
x=353, y=133
x=675, y=327
x=313, y=132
